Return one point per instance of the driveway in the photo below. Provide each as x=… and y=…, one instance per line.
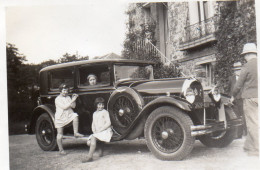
x=134, y=155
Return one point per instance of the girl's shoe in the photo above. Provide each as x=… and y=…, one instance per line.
x=63, y=152
x=87, y=159
x=78, y=135
x=100, y=152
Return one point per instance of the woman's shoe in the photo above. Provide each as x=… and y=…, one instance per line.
x=87, y=159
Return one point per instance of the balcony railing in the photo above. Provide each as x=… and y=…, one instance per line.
x=143, y=46
x=200, y=30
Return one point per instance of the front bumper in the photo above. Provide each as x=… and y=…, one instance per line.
x=198, y=130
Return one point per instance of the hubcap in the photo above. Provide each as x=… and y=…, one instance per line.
x=121, y=112
x=165, y=135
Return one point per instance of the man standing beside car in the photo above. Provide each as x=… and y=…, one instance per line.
x=247, y=83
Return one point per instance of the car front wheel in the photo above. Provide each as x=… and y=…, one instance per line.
x=168, y=134
x=45, y=133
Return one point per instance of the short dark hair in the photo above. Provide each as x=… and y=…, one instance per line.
x=99, y=100
x=63, y=86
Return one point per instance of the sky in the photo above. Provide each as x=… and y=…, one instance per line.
x=43, y=32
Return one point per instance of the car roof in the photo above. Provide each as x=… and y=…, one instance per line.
x=104, y=61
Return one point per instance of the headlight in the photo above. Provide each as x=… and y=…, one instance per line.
x=189, y=95
x=188, y=92
x=216, y=94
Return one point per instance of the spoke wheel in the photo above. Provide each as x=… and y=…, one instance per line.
x=123, y=111
x=168, y=134
x=45, y=133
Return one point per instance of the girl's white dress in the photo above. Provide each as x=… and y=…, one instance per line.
x=64, y=113
x=101, y=118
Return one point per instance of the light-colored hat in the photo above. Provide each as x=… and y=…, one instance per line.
x=249, y=48
x=237, y=65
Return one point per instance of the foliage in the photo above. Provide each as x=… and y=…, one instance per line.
x=14, y=62
x=47, y=63
x=69, y=58
x=237, y=26
x=16, y=81
x=145, y=34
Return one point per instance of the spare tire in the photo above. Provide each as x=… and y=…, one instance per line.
x=124, y=105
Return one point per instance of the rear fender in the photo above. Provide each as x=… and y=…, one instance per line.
x=49, y=109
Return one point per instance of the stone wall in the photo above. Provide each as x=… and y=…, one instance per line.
x=177, y=20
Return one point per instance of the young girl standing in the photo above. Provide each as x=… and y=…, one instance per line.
x=64, y=115
x=101, y=127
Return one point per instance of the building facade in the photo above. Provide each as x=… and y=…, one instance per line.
x=183, y=33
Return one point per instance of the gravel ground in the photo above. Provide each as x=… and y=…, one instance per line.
x=134, y=155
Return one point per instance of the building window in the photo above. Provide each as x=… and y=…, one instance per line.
x=204, y=72
x=147, y=15
x=164, y=30
x=206, y=9
x=200, y=11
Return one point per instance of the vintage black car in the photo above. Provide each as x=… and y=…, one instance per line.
x=170, y=113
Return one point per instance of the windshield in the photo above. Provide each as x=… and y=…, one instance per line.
x=133, y=72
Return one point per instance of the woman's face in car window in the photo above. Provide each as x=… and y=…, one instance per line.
x=92, y=81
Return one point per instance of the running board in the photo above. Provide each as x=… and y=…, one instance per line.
x=73, y=137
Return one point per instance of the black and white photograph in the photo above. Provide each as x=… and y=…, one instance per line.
x=129, y=84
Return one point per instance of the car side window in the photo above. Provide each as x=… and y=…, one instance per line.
x=59, y=76
x=101, y=72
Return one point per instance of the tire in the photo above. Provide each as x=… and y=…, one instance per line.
x=221, y=139
x=46, y=133
x=159, y=131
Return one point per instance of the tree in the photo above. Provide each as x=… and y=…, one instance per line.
x=14, y=62
x=69, y=58
x=17, y=80
x=236, y=26
x=47, y=63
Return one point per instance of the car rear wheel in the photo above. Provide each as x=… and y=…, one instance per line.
x=45, y=133
x=168, y=134
x=221, y=139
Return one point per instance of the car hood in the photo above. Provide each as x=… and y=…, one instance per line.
x=156, y=86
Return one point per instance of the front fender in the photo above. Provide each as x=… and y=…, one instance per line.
x=161, y=101
x=48, y=108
